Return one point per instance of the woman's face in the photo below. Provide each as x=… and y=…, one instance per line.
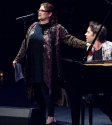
x=43, y=15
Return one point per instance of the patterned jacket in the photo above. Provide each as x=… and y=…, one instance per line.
x=106, y=51
x=52, y=37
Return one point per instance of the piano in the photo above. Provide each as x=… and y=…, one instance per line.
x=88, y=78
x=92, y=77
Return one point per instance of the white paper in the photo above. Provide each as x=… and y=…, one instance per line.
x=18, y=72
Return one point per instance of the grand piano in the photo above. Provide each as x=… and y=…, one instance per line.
x=88, y=78
x=94, y=76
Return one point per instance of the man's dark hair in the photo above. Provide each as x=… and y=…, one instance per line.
x=95, y=28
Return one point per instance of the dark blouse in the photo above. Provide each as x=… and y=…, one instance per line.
x=97, y=54
x=36, y=52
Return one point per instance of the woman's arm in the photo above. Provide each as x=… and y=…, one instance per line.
x=71, y=40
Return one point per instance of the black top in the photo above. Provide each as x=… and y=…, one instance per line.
x=97, y=54
x=36, y=52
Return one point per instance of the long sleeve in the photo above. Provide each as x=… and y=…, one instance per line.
x=21, y=52
x=24, y=47
x=71, y=40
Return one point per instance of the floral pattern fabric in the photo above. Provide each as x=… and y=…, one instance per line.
x=52, y=37
x=106, y=51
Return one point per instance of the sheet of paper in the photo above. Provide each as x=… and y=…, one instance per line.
x=18, y=72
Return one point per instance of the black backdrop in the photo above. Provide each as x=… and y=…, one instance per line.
x=74, y=15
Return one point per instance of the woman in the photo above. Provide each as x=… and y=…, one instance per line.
x=43, y=66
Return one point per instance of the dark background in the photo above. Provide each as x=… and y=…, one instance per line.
x=74, y=15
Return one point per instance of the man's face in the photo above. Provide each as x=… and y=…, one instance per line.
x=89, y=35
x=42, y=14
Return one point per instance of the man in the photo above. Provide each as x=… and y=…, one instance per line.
x=102, y=50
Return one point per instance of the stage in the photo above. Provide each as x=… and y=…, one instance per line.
x=13, y=94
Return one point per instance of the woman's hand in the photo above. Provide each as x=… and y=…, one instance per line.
x=88, y=44
x=14, y=63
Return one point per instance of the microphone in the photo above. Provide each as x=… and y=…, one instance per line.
x=27, y=16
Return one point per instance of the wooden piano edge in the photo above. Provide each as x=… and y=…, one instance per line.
x=99, y=63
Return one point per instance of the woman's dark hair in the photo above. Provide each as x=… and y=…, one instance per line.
x=95, y=28
x=50, y=8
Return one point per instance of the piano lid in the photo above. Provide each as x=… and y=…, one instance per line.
x=91, y=63
x=99, y=63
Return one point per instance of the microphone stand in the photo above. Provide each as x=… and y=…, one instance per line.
x=90, y=47
x=24, y=23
